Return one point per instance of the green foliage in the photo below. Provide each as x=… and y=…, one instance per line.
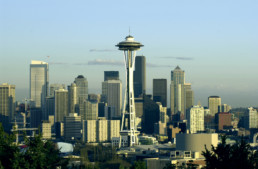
x=139, y=165
x=237, y=156
x=37, y=154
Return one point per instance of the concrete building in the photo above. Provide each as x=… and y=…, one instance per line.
x=111, y=75
x=162, y=113
x=177, y=93
x=54, y=87
x=45, y=127
x=82, y=91
x=139, y=80
x=90, y=110
x=112, y=94
x=224, y=108
x=72, y=127
x=61, y=105
x=72, y=98
x=214, y=103
x=172, y=131
x=160, y=91
x=196, y=142
x=7, y=106
x=195, y=119
x=160, y=128
x=223, y=120
x=251, y=118
x=96, y=131
x=39, y=83
x=189, y=96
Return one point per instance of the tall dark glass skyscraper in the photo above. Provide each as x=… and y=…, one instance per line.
x=111, y=75
x=139, y=76
x=160, y=91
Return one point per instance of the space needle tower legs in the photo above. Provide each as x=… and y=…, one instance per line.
x=128, y=125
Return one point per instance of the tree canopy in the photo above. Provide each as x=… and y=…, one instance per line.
x=224, y=156
x=34, y=154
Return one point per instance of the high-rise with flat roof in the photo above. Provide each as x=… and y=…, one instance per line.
x=72, y=126
x=139, y=80
x=112, y=94
x=39, y=83
x=160, y=91
x=195, y=119
x=111, y=75
x=61, y=105
x=214, y=104
x=7, y=100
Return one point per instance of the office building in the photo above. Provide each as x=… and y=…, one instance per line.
x=54, y=87
x=223, y=120
x=97, y=131
x=151, y=114
x=111, y=75
x=82, y=91
x=214, y=103
x=224, y=108
x=61, y=105
x=50, y=106
x=39, y=83
x=189, y=96
x=139, y=80
x=7, y=106
x=251, y=118
x=163, y=113
x=160, y=91
x=177, y=93
x=195, y=119
x=90, y=110
x=72, y=127
x=112, y=94
x=45, y=128
x=72, y=98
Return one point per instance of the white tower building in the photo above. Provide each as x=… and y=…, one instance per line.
x=195, y=119
x=128, y=126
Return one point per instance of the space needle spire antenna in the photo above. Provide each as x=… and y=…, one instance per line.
x=128, y=125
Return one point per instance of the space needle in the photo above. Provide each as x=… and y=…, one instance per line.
x=128, y=125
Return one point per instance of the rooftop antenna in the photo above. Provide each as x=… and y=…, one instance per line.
x=129, y=31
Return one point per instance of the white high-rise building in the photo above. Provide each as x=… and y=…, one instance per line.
x=100, y=130
x=251, y=118
x=39, y=83
x=54, y=87
x=112, y=94
x=195, y=119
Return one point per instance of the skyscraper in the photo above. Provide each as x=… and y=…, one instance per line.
x=177, y=93
x=7, y=100
x=72, y=98
x=82, y=91
x=160, y=91
x=61, y=105
x=39, y=83
x=139, y=76
x=189, y=96
x=54, y=87
x=214, y=103
x=72, y=126
x=111, y=75
x=112, y=94
x=90, y=110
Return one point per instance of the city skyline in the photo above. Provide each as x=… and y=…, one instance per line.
x=213, y=42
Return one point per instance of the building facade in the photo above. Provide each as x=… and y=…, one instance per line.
x=195, y=119
x=61, y=105
x=39, y=83
x=112, y=95
x=214, y=104
x=139, y=80
x=160, y=91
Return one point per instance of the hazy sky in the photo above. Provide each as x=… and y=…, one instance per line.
x=214, y=41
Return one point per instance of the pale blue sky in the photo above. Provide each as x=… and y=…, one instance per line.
x=214, y=41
